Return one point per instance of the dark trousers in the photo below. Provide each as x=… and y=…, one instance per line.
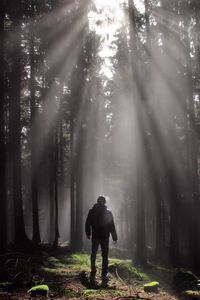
x=104, y=244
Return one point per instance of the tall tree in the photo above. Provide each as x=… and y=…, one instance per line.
x=78, y=99
x=3, y=211
x=15, y=125
x=140, y=251
x=34, y=146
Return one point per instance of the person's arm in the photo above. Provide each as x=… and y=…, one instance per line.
x=113, y=229
x=88, y=225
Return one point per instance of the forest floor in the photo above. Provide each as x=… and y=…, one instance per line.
x=66, y=275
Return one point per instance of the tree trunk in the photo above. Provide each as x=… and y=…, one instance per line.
x=72, y=184
x=140, y=252
x=15, y=126
x=56, y=228
x=3, y=210
x=79, y=193
x=34, y=144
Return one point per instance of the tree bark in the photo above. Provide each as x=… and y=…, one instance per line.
x=56, y=227
x=140, y=251
x=15, y=125
x=3, y=209
x=34, y=144
x=72, y=184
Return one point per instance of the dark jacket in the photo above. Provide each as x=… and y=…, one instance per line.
x=100, y=222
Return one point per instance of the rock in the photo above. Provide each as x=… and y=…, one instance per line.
x=151, y=287
x=39, y=290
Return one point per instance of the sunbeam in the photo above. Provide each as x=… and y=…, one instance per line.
x=106, y=20
x=100, y=111
x=140, y=6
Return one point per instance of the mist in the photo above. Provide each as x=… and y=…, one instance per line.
x=101, y=98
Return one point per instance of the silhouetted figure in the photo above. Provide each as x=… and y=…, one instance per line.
x=100, y=223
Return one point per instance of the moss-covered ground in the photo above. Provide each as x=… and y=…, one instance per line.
x=67, y=277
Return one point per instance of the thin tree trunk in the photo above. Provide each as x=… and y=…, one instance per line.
x=57, y=235
x=34, y=146
x=61, y=163
x=51, y=166
x=3, y=210
x=15, y=126
x=72, y=184
x=79, y=193
x=140, y=251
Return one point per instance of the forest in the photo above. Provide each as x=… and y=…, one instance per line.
x=99, y=98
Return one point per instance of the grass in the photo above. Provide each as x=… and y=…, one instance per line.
x=124, y=268
x=80, y=260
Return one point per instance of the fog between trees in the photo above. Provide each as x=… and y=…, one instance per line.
x=101, y=98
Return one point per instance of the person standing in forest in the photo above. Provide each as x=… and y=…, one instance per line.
x=100, y=224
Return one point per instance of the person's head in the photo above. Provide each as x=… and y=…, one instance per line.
x=101, y=200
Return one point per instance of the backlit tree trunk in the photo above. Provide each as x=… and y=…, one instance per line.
x=140, y=251
x=34, y=140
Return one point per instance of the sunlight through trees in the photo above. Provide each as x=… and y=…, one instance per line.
x=101, y=98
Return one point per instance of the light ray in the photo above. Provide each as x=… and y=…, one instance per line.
x=139, y=4
x=105, y=20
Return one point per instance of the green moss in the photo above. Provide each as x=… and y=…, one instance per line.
x=80, y=260
x=39, y=290
x=69, y=293
x=150, y=284
x=192, y=293
x=151, y=287
x=88, y=291
x=125, y=268
x=102, y=293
